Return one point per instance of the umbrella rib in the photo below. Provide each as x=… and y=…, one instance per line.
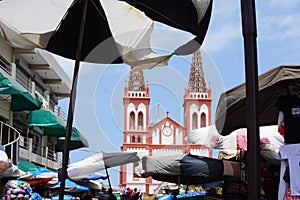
x=99, y=11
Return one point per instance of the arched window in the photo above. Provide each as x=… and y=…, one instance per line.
x=195, y=121
x=133, y=139
x=203, y=120
x=140, y=120
x=131, y=121
x=139, y=139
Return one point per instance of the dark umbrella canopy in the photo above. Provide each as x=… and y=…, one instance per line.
x=181, y=14
x=231, y=109
x=100, y=30
x=184, y=169
x=64, y=40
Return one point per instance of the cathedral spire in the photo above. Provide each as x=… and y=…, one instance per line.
x=197, y=81
x=136, y=80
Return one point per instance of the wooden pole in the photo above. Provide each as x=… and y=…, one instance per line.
x=72, y=104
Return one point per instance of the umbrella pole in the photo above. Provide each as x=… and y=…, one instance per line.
x=250, y=51
x=72, y=104
x=108, y=179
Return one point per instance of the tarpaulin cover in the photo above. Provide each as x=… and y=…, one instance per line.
x=270, y=138
x=181, y=168
x=41, y=177
x=71, y=187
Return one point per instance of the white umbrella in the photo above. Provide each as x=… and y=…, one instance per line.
x=98, y=162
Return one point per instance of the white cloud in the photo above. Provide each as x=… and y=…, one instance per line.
x=225, y=26
x=283, y=5
x=278, y=20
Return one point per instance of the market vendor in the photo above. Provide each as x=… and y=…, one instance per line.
x=288, y=126
x=289, y=118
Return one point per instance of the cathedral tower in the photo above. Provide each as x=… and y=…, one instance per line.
x=136, y=107
x=197, y=97
x=136, y=102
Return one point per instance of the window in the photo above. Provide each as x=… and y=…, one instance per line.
x=133, y=139
x=36, y=144
x=131, y=121
x=140, y=120
x=203, y=120
x=195, y=120
x=139, y=139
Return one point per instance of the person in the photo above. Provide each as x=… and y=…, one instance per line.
x=86, y=196
x=140, y=195
x=135, y=194
x=289, y=118
x=107, y=195
x=128, y=193
x=288, y=125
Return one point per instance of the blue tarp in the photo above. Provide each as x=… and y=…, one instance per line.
x=66, y=197
x=72, y=187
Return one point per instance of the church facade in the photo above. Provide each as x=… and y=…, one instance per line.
x=166, y=136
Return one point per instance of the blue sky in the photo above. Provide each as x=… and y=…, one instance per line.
x=99, y=109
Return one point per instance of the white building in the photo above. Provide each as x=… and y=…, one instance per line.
x=31, y=84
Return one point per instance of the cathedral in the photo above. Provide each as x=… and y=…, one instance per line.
x=166, y=136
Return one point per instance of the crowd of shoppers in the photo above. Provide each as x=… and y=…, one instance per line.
x=129, y=194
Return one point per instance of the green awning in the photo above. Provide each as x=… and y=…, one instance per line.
x=77, y=141
x=20, y=99
x=44, y=118
x=26, y=166
x=53, y=127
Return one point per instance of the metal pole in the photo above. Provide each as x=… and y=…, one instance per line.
x=108, y=177
x=72, y=104
x=250, y=51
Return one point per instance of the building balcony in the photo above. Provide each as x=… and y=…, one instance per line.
x=41, y=155
x=16, y=146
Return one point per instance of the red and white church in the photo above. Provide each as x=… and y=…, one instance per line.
x=165, y=136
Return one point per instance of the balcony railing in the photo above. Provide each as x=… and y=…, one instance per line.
x=9, y=138
x=14, y=143
x=5, y=65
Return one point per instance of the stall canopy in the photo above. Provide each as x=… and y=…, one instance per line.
x=71, y=187
x=26, y=166
x=40, y=177
x=55, y=128
x=231, y=109
x=20, y=99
